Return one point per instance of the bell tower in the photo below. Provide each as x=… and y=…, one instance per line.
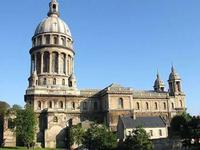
x=159, y=85
x=174, y=83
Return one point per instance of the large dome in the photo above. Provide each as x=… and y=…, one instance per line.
x=52, y=24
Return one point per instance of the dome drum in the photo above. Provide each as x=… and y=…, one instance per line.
x=53, y=39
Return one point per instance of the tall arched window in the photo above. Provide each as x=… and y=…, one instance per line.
x=50, y=104
x=39, y=105
x=137, y=105
x=172, y=105
x=32, y=63
x=156, y=106
x=54, y=62
x=63, y=41
x=61, y=104
x=55, y=40
x=54, y=81
x=69, y=64
x=47, y=39
x=120, y=103
x=38, y=66
x=147, y=106
x=34, y=42
x=46, y=62
x=73, y=105
x=181, y=103
x=164, y=106
x=39, y=40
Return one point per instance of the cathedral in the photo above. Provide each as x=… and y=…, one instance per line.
x=57, y=101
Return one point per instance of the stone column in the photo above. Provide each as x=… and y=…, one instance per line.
x=42, y=38
x=59, y=55
x=50, y=61
x=31, y=71
x=42, y=55
x=35, y=67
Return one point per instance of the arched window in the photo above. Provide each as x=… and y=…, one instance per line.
x=44, y=81
x=39, y=40
x=55, y=119
x=39, y=105
x=178, y=86
x=46, y=57
x=47, y=39
x=164, y=106
x=181, y=103
x=156, y=106
x=34, y=42
x=32, y=63
x=50, y=104
x=120, y=103
x=61, y=104
x=138, y=106
x=172, y=105
x=54, y=81
x=54, y=7
x=54, y=62
x=55, y=40
x=69, y=64
x=147, y=106
x=73, y=105
x=70, y=83
x=11, y=123
x=63, y=41
x=63, y=81
x=38, y=66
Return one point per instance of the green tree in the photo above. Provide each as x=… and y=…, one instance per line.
x=26, y=125
x=3, y=108
x=99, y=137
x=139, y=140
x=177, y=124
x=77, y=134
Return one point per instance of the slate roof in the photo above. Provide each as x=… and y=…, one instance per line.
x=145, y=122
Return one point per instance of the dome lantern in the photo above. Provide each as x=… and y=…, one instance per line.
x=53, y=8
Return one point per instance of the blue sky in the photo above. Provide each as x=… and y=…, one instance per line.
x=115, y=42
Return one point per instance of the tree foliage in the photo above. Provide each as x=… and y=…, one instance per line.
x=26, y=125
x=99, y=137
x=77, y=133
x=3, y=108
x=186, y=128
x=139, y=140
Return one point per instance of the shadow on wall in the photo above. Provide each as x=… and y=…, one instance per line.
x=61, y=139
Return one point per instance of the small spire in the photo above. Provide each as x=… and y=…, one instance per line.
x=53, y=8
x=158, y=75
x=173, y=70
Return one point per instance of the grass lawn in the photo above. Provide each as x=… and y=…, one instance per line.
x=20, y=148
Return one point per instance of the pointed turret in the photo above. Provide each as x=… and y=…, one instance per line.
x=174, y=82
x=33, y=80
x=159, y=84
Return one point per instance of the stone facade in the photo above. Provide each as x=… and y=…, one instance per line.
x=59, y=103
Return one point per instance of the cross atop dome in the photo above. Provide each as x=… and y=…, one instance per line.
x=53, y=8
